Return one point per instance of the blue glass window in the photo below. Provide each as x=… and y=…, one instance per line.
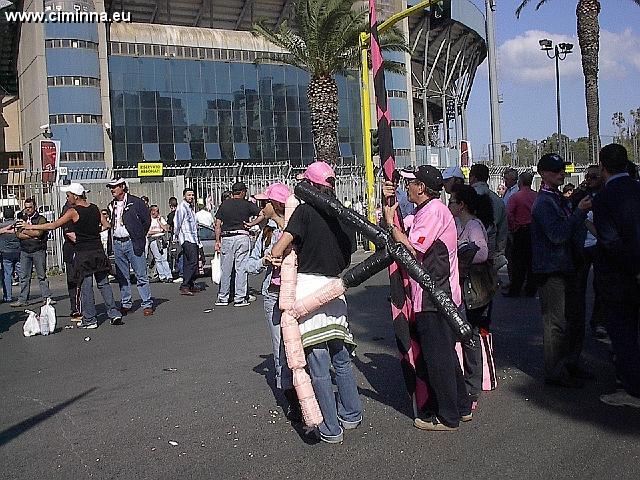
x=212, y=151
x=151, y=151
x=183, y=151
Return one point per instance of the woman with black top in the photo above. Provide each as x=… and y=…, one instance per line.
x=89, y=259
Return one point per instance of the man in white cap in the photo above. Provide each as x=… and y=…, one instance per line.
x=130, y=222
x=452, y=176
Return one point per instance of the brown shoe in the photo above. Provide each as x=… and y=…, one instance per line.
x=124, y=311
x=432, y=425
x=186, y=291
x=147, y=312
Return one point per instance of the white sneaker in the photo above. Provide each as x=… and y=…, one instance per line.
x=243, y=303
x=222, y=303
x=178, y=280
x=251, y=298
x=620, y=398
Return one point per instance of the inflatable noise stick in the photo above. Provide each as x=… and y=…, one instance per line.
x=398, y=252
x=333, y=207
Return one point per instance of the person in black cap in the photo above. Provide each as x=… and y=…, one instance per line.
x=130, y=222
x=433, y=239
x=555, y=238
x=233, y=243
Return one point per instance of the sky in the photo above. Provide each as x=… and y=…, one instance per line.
x=527, y=75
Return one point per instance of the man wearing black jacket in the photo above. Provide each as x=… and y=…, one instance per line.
x=616, y=217
x=130, y=222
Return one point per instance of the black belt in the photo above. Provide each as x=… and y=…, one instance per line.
x=122, y=239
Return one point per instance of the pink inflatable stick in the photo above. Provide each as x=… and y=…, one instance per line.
x=324, y=295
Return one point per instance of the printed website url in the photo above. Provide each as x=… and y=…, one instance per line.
x=54, y=16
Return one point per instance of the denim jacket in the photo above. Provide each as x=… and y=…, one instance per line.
x=254, y=265
x=555, y=233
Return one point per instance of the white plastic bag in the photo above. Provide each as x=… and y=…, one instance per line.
x=49, y=313
x=216, y=270
x=31, y=325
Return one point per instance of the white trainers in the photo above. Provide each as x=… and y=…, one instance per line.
x=221, y=303
x=251, y=298
x=620, y=398
x=243, y=303
x=178, y=280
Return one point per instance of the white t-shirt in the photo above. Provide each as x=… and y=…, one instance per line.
x=156, y=230
x=205, y=218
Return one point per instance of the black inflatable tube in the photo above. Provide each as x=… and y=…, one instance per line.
x=367, y=269
x=332, y=206
x=397, y=251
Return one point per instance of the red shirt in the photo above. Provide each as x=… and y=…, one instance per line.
x=519, y=208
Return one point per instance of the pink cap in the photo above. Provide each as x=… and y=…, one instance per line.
x=277, y=192
x=319, y=173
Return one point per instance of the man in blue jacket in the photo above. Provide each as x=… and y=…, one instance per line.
x=130, y=222
x=616, y=217
x=555, y=235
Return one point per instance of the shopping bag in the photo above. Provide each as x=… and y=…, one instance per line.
x=48, y=313
x=216, y=271
x=31, y=325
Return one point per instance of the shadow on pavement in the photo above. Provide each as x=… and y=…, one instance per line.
x=19, y=428
x=7, y=320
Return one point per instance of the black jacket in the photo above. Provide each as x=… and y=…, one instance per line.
x=616, y=216
x=36, y=244
x=137, y=220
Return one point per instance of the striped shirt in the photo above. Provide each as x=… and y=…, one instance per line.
x=185, y=224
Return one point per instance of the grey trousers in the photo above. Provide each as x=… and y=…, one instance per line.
x=563, y=331
x=27, y=262
x=234, y=251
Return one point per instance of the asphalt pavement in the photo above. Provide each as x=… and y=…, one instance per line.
x=189, y=393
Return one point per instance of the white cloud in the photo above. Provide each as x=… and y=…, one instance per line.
x=520, y=59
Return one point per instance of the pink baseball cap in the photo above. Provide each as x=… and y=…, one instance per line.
x=277, y=192
x=319, y=173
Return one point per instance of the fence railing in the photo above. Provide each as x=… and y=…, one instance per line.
x=209, y=183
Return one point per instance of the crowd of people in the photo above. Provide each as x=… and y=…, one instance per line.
x=549, y=241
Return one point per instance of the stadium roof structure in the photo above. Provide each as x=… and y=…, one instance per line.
x=227, y=15
x=9, y=40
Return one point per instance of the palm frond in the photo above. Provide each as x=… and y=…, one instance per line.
x=520, y=7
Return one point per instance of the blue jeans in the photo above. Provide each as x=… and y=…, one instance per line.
x=10, y=263
x=234, y=250
x=162, y=265
x=272, y=313
x=27, y=262
x=124, y=255
x=87, y=300
x=349, y=408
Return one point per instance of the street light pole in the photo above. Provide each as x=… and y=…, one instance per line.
x=560, y=52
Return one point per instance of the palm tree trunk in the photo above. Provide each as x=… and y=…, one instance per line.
x=323, y=104
x=589, y=39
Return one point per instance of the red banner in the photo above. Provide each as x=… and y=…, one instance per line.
x=50, y=155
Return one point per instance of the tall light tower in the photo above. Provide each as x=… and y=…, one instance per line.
x=496, y=139
x=560, y=52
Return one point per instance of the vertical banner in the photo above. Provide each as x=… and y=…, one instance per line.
x=401, y=304
x=465, y=154
x=50, y=155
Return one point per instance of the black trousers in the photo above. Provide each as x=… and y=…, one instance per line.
x=448, y=397
x=623, y=324
x=72, y=286
x=521, y=262
x=597, y=314
x=190, y=264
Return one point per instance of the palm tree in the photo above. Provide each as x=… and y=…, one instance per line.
x=323, y=39
x=587, y=12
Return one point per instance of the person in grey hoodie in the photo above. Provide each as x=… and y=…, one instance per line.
x=10, y=251
x=478, y=178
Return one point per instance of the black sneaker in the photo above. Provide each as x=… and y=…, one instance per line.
x=116, y=321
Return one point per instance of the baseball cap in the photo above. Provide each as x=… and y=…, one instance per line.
x=117, y=181
x=75, y=188
x=277, y=192
x=318, y=172
x=452, y=172
x=551, y=162
x=238, y=187
x=426, y=174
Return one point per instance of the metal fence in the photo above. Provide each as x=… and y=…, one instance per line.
x=209, y=184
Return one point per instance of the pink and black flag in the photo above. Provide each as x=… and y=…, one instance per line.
x=401, y=305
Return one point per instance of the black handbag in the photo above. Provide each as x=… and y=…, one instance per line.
x=479, y=285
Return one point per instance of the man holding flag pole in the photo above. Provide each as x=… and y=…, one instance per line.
x=429, y=362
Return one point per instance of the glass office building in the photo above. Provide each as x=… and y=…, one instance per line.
x=205, y=111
